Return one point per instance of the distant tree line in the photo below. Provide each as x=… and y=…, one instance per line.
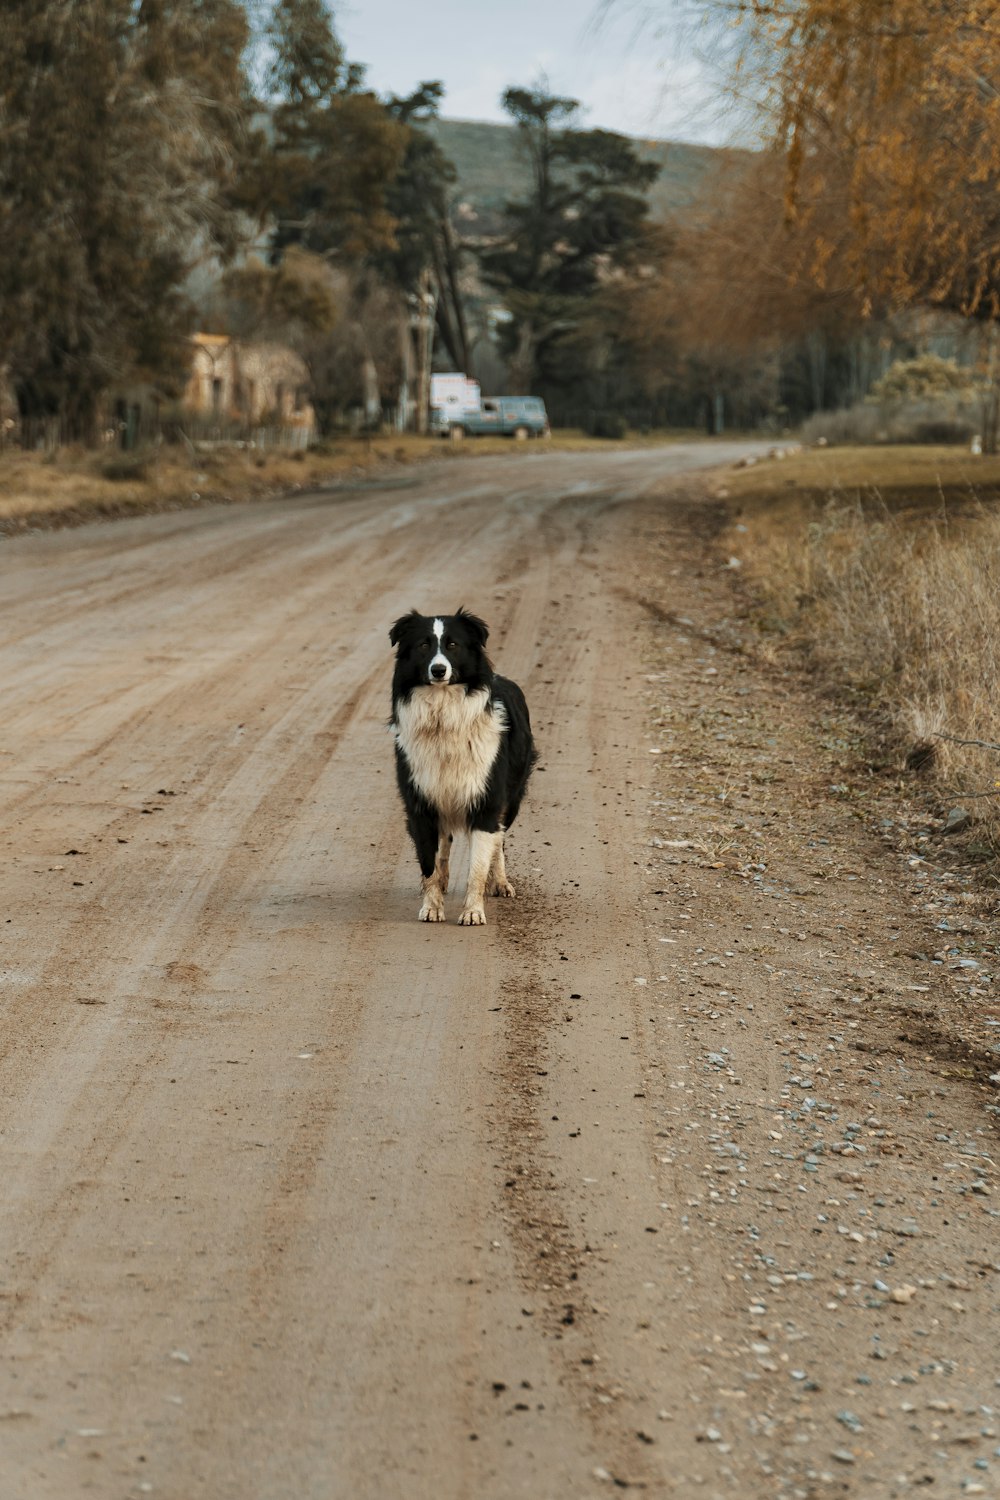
x=870, y=214
x=210, y=163
x=223, y=165
x=121, y=130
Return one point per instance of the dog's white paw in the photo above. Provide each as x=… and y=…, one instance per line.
x=472, y=916
x=500, y=888
x=431, y=911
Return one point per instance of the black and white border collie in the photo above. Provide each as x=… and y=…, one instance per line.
x=464, y=753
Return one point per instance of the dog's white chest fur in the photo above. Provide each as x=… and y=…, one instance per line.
x=450, y=740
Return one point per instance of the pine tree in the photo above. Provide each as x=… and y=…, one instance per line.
x=323, y=173
x=582, y=221
x=425, y=243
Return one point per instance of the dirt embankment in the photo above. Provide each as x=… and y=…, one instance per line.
x=672, y=1178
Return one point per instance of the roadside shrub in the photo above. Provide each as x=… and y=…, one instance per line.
x=854, y=426
x=907, y=422
x=124, y=467
x=928, y=377
x=924, y=400
x=943, y=431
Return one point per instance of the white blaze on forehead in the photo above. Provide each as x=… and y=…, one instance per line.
x=439, y=656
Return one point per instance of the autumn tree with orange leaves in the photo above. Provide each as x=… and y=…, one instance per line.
x=877, y=192
x=736, y=296
x=900, y=99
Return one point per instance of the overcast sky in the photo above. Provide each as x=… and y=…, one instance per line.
x=628, y=68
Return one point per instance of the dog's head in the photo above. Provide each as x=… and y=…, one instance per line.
x=439, y=650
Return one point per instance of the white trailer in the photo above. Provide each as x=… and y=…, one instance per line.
x=454, y=392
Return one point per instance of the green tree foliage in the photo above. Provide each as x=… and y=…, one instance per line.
x=119, y=124
x=322, y=170
x=581, y=225
x=308, y=61
x=290, y=301
x=343, y=322
x=425, y=244
x=321, y=173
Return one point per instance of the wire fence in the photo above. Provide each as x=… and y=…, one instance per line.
x=205, y=433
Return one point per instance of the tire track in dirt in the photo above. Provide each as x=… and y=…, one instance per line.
x=569, y=964
x=258, y=1194
x=183, y=912
x=263, y=803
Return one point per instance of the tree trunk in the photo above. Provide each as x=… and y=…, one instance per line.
x=406, y=352
x=424, y=335
x=450, y=334
x=371, y=400
x=816, y=353
x=455, y=294
x=522, y=364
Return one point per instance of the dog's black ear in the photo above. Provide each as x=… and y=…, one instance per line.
x=475, y=624
x=402, y=626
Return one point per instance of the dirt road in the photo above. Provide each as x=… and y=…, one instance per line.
x=666, y=1179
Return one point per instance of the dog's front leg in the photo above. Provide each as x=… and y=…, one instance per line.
x=435, y=884
x=484, y=847
x=426, y=839
x=432, y=906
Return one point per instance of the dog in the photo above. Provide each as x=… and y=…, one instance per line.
x=464, y=753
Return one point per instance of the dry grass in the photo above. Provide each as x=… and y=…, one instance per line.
x=883, y=569
x=898, y=478
x=72, y=486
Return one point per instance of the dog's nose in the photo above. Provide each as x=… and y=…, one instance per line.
x=438, y=671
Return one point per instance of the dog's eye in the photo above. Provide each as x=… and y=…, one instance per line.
x=452, y=645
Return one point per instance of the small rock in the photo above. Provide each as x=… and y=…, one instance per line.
x=903, y=1294
x=956, y=820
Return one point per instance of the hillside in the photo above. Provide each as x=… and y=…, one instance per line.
x=491, y=169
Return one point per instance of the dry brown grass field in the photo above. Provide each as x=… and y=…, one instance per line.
x=71, y=486
x=881, y=569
